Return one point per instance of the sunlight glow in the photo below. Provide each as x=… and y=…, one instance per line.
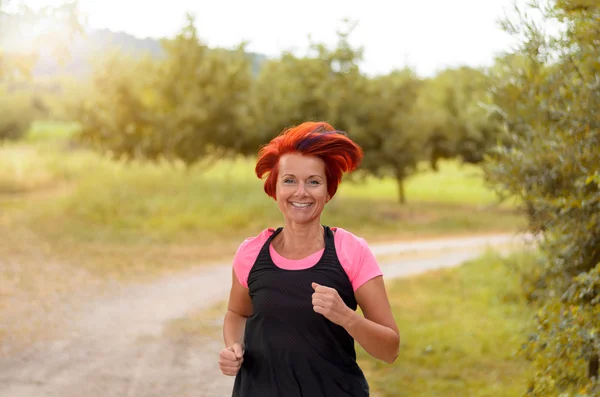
x=428, y=35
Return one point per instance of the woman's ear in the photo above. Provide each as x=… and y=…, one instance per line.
x=328, y=198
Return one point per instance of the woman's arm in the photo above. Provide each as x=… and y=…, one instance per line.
x=239, y=309
x=377, y=331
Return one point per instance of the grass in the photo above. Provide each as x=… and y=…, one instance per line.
x=41, y=131
x=461, y=330
x=456, y=183
x=75, y=199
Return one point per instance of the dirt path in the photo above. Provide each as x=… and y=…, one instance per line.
x=116, y=345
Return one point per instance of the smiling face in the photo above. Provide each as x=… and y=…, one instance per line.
x=301, y=188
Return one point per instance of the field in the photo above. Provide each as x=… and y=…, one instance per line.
x=142, y=217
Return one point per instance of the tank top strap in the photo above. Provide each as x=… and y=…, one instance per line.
x=264, y=251
x=272, y=236
x=328, y=234
x=263, y=260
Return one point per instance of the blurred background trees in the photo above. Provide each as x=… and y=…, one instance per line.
x=179, y=100
x=19, y=104
x=195, y=102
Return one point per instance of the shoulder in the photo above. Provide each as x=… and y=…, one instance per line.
x=356, y=257
x=254, y=243
x=249, y=248
x=247, y=253
x=348, y=241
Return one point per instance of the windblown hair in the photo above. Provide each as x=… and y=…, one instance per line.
x=319, y=139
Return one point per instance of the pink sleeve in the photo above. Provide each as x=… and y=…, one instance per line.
x=356, y=258
x=246, y=255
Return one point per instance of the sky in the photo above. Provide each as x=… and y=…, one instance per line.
x=427, y=35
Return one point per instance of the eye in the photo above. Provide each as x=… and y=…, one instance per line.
x=288, y=181
x=313, y=182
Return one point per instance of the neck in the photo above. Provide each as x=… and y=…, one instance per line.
x=298, y=236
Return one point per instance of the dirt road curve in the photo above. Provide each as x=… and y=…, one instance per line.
x=116, y=346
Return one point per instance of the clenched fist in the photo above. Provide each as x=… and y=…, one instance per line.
x=231, y=359
x=329, y=303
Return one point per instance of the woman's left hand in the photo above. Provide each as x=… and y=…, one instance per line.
x=327, y=301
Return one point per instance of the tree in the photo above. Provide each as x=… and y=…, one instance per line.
x=388, y=127
x=326, y=84
x=320, y=85
x=458, y=125
x=19, y=109
x=548, y=100
x=203, y=96
x=119, y=117
x=287, y=91
x=345, y=82
x=17, y=112
x=193, y=105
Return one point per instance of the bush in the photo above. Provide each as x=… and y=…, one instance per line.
x=548, y=94
x=17, y=112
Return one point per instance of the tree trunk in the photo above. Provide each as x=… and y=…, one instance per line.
x=400, y=181
x=593, y=367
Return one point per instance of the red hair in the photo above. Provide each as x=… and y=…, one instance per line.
x=319, y=139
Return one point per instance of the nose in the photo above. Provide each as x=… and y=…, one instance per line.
x=301, y=191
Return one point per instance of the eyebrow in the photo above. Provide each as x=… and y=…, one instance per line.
x=311, y=176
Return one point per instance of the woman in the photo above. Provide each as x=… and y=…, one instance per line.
x=291, y=324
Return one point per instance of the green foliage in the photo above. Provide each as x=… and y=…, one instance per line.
x=319, y=85
x=460, y=126
x=388, y=127
x=286, y=92
x=548, y=96
x=202, y=96
x=116, y=117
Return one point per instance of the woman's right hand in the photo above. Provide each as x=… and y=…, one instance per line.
x=231, y=359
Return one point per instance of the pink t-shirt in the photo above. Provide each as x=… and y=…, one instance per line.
x=353, y=253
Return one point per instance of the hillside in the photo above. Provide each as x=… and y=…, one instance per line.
x=95, y=42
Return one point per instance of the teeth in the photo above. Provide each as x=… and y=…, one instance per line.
x=301, y=205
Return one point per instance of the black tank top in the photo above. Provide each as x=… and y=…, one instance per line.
x=290, y=350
